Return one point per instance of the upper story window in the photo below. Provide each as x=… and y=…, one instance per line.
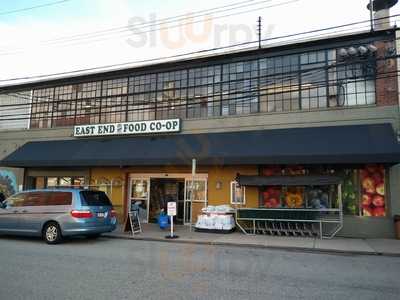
x=171, y=94
x=279, y=84
x=42, y=108
x=307, y=80
x=15, y=110
x=64, y=106
x=114, y=100
x=240, y=88
x=204, y=93
x=88, y=102
x=115, y=87
x=142, y=97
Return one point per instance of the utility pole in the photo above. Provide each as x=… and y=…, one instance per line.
x=259, y=30
x=371, y=16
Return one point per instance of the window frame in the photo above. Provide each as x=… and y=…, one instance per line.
x=233, y=186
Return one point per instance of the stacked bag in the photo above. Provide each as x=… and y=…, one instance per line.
x=216, y=221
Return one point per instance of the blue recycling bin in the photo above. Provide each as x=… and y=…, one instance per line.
x=163, y=221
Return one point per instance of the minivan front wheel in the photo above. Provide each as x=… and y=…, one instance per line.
x=52, y=233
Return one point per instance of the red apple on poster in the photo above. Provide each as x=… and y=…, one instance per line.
x=379, y=212
x=366, y=200
x=371, y=168
x=381, y=170
x=378, y=200
x=369, y=185
x=367, y=211
x=380, y=189
x=377, y=178
x=272, y=203
x=363, y=174
x=274, y=192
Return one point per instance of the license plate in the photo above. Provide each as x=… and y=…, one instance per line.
x=101, y=215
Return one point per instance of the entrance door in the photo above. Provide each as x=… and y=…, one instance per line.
x=199, y=200
x=139, y=197
x=162, y=191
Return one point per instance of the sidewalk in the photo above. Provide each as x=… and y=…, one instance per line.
x=151, y=232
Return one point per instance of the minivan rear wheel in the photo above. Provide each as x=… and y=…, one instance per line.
x=52, y=233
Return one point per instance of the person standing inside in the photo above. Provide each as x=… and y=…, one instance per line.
x=2, y=197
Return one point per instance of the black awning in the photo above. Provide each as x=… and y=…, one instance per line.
x=357, y=144
x=287, y=180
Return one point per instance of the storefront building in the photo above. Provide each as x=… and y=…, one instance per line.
x=279, y=127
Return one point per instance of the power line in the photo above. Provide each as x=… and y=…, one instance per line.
x=243, y=90
x=33, y=7
x=392, y=74
x=188, y=53
x=164, y=20
x=283, y=75
x=91, y=39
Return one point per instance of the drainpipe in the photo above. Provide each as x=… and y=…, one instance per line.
x=397, y=43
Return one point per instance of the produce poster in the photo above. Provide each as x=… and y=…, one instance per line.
x=373, y=191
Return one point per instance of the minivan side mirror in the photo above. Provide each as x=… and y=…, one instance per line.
x=3, y=205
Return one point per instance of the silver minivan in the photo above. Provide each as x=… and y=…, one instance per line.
x=57, y=213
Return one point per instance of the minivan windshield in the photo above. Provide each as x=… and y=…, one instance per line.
x=95, y=198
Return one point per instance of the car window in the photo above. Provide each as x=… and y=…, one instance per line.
x=94, y=198
x=16, y=200
x=35, y=199
x=59, y=198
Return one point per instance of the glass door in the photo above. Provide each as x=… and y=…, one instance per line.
x=139, y=197
x=199, y=199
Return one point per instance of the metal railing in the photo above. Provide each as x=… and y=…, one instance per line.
x=322, y=223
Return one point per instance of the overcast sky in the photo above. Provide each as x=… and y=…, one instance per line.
x=49, y=39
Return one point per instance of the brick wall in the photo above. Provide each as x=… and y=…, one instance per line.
x=386, y=84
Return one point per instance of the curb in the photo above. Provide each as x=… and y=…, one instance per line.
x=254, y=246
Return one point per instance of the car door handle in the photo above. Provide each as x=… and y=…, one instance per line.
x=24, y=211
x=15, y=211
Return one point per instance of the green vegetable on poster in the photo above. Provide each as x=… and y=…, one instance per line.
x=350, y=204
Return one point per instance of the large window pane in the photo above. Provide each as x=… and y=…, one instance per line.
x=198, y=188
x=64, y=106
x=171, y=95
x=240, y=88
x=204, y=94
x=279, y=84
x=88, y=103
x=42, y=107
x=143, y=96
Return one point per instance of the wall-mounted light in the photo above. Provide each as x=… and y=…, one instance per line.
x=218, y=185
x=363, y=50
x=343, y=52
x=352, y=51
x=372, y=48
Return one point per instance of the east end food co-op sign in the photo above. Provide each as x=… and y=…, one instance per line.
x=158, y=126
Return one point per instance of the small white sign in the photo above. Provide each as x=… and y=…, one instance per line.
x=128, y=128
x=171, y=209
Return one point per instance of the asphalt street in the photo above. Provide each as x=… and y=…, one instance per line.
x=123, y=269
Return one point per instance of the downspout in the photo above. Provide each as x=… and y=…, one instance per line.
x=398, y=80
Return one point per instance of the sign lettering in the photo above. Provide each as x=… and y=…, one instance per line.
x=128, y=128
